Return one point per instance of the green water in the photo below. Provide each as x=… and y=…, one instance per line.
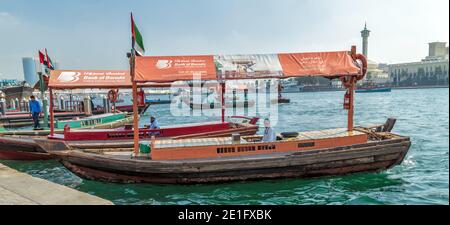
x=423, y=178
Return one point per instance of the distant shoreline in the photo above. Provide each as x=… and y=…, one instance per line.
x=394, y=88
x=422, y=87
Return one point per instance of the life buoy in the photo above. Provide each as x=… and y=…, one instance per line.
x=364, y=64
x=113, y=95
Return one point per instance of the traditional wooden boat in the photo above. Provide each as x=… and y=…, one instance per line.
x=101, y=121
x=22, y=119
x=305, y=154
x=21, y=145
x=238, y=158
x=12, y=147
x=27, y=147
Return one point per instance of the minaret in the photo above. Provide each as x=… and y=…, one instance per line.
x=365, y=35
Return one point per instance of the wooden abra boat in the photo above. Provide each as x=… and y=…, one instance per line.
x=310, y=154
x=236, y=158
x=20, y=147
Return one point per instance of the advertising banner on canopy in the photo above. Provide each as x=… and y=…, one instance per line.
x=318, y=64
x=73, y=79
x=173, y=68
x=247, y=66
x=229, y=67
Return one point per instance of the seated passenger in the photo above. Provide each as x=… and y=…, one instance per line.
x=269, y=133
x=154, y=123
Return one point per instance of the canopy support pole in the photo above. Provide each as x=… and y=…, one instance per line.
x=351, y=90
x=52, y=116
x=223, y=101
x=135, y=104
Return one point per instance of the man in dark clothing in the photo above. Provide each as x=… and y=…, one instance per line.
x=35, y=111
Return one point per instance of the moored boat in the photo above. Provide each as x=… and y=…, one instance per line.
x=310, y=154
x=237, y=158
x=21, y=145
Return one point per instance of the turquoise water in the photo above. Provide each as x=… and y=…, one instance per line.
x=423, y=178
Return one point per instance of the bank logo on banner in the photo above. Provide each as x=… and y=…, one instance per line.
x=164, y=64
x=69, y=77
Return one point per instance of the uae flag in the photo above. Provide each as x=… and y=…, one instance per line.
x=49, y=61
x=136, y=38
x=42, y=58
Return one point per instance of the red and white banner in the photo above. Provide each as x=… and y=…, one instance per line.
x=73, y=79
x=174, y=68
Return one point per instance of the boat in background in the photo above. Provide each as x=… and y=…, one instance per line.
x=370, y=87
x=373, y=89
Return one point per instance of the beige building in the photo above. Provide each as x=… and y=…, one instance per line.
x=433, y=70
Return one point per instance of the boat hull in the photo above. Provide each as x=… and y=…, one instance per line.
x=22, y=148
x=369, y=157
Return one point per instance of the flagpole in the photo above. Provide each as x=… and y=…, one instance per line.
x=134, y=87
x=42, y=90
x=135, y=103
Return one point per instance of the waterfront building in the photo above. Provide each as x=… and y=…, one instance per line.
x=9, y=82
x=432, y=70
x=29, y=70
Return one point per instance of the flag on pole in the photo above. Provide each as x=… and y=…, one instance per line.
x=42, y=58
x=49, y=61
x=136, y=38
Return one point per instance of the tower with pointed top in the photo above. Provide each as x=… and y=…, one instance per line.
x=365, y=35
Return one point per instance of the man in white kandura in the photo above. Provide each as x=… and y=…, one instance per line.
x=269, y=133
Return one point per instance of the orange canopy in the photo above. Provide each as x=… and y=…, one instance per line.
x=227, y=67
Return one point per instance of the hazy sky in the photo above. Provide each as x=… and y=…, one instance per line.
x=83, y=34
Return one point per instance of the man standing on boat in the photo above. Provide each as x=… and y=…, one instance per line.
x=35, y=111
x=269, y=133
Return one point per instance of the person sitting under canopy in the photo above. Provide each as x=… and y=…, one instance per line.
x=269, y=133
x=153, y=123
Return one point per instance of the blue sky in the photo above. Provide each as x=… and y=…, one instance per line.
x=83, y=34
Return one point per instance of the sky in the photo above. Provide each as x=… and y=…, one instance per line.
x=86, y=34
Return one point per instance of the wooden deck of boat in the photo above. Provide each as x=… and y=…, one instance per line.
x=220, y=141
